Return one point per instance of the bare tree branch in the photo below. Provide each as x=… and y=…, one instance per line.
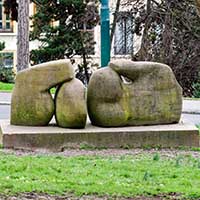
x=114, y=21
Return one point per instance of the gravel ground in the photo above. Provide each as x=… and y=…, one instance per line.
x=171, y=153
x=33, y=196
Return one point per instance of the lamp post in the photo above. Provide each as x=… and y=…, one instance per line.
x=105, y=33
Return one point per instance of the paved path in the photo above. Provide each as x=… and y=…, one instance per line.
x=5, y=98
x=4, y=111
x=191, y=106
x=191, y=118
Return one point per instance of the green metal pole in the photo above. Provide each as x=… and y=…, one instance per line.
x=105, y=33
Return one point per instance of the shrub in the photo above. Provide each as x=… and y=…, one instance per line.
x=196, y=87
x=196, y=91
x=6, y=75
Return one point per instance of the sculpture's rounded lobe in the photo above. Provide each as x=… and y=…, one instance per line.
x=153, y=95
x=70, y=104
x=32, y=103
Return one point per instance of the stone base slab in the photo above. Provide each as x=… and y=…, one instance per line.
x=57, y=139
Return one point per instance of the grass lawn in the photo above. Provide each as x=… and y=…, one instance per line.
x=125, y=176
x=6, y=86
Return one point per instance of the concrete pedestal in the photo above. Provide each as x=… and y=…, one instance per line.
x=57, y=139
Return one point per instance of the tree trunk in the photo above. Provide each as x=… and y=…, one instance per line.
x=23, y=35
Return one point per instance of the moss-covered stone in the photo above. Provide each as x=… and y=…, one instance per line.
x=70, y=104
x=104, y=95
x=32, y=103
x=151, y=96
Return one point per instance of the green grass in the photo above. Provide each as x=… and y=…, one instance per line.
x=114, y=176
x=6, y=86
x=191, y=98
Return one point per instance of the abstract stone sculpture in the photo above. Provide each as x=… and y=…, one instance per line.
x=70, y=104
x=32, y=103
x=150, y=96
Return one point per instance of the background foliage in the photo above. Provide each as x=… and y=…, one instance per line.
x=58, y=26
x=171, y=36
x=170, y=33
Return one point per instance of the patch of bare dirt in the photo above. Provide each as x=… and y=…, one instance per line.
x=36, y=196
x=170, y=153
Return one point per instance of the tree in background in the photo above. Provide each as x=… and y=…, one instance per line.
x=59, y=27
x=172, y=36
x=20, y=12
x=170, y=32
x=23, y=35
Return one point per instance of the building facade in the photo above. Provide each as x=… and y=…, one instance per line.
x=8, y=34
x=124, y=42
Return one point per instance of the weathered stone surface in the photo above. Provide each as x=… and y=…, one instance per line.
x=70, y=103
x=152, y=96
x=32, y=103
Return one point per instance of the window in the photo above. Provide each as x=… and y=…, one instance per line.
x=6, y=60
x=5, y=22
x=88, y=31
x=123, y=40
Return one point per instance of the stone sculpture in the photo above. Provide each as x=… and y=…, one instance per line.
x=150, y=96
x=70, y=104
x=125, y=93
x=32, y=103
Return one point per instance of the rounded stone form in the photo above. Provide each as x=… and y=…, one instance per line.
x=150, y=96
x=32, y=103
x=103, y=99
x=70, y=104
